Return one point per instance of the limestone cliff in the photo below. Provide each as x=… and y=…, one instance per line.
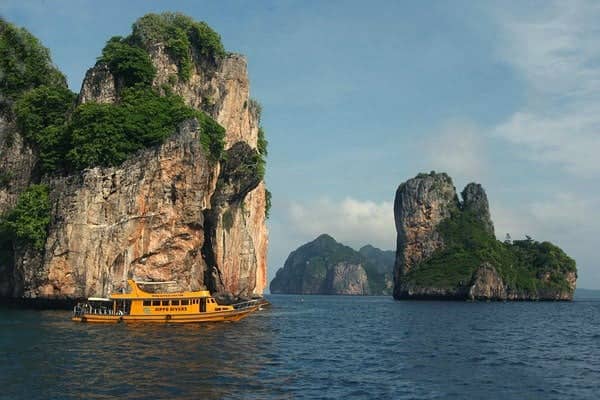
x=237, y=256
x=420, y=205
x=475, y=201
x=446, y=249
x=169, y=212
x=325, y=266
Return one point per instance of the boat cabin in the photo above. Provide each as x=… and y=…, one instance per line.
x=140, y=302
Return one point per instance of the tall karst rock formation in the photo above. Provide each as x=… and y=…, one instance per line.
x=169, y=212
x=446, y=249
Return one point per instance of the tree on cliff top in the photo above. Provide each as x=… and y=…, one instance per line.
x=68, y=138
x=181, y=36
x=24, y=63
x=130, y=63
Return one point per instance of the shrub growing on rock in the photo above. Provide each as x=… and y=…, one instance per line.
x=28, y=222
x=130, y=63
x=41, y=116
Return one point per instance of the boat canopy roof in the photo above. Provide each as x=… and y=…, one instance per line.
x=139, y=293
x=98, y=299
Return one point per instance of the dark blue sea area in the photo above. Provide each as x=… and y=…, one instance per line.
x=313, y=347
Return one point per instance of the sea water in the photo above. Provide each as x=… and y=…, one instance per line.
x=313, y=347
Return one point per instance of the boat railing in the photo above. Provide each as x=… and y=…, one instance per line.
x=246, y=304
x=82, y=309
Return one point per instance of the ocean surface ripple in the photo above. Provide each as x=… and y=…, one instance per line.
x=313, y=347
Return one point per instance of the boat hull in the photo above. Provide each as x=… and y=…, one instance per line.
x=220, y=316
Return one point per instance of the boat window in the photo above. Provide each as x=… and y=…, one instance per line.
x=146, y=303
x=174, y=302
x=156, y=302
x=165, y=302
x=185, y=302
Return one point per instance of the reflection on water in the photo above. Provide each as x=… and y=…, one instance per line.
x=44, y=352
x=323, y=347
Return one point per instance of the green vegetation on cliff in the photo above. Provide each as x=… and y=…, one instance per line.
x=106, y=134
x=130, y=63
x=24, y=63
x=212, y=137
x=181, y=35
x=27, y=223
x=262, y=143
x=69, y=138
x=268, y=204
x=42, y=118
x=142, y=117
x=524, y=265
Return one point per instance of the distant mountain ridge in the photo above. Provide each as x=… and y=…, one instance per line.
x=325, y=266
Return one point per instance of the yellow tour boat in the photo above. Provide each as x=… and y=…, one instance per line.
x=178, y=307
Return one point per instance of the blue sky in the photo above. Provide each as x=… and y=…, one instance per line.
x=359, y=97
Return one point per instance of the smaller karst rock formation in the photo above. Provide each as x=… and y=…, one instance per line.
x=446, y=249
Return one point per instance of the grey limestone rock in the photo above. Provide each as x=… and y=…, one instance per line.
x=475, y=200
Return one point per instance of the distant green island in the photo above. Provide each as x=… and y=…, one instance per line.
x=325, y=266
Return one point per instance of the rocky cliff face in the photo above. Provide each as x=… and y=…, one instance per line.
x=143, y=219
x=487, y=284
x=325, y=266
x=238, y=234
x=475, y=201
x=350, y=279
x=420, y=205
x=168, y=213
x=17, y=162
x=446, y=249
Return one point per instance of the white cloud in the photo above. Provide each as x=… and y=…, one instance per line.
x=556, y=52
x=563, y=218
x=350, y=221
x=558, y=55
x=566, y=211
x=457, y=148
x=555, y=47
x=571, y=140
